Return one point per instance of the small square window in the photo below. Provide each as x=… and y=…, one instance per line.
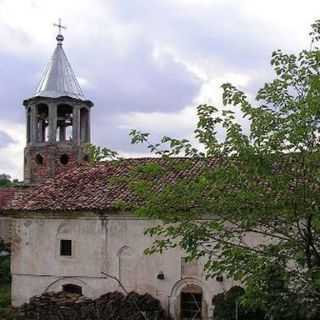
x=66, y=248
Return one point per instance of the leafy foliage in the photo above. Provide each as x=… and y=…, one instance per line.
x=97, y=154
x=5, y=180
x=255, y=214
x=6, y=311
x=5, y=277
x=229, y=306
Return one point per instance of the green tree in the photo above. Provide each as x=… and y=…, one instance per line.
x=98, y=154
x=228, y=306
x=5, y=180
x=262, y=185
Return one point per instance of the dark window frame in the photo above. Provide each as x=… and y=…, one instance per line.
x=65, y=248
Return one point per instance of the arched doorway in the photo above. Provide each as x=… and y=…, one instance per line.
x=189, y=299
x=191, y=304
x=63, y=284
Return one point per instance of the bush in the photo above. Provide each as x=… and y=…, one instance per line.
x=6, y=311
x=5, y=276
x=228, y=304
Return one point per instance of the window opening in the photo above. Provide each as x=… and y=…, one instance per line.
x=42, y=122
x=72, y=288
x=64, y=123
x=64, y=159
x=66, y=248
x=39, y=159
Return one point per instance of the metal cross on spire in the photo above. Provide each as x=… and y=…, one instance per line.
x=59, y=37
x=59, y=25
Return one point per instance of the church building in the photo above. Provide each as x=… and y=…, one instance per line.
x=67, y=230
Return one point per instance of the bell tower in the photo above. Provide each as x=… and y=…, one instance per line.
x=57, y=120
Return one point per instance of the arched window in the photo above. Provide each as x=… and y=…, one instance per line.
x=65, y=247
x=127, y=268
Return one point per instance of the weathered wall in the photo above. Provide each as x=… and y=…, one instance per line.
x=115, y=246
x=5, y=227
x=6, y=194
x=35, y=172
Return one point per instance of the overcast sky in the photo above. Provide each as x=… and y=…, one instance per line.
x=145, y=64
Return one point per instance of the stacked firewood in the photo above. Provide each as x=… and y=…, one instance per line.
x=110, y=306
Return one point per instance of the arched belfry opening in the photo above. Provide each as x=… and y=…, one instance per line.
x=64, y=123
x=42, y=122
x=57, y=120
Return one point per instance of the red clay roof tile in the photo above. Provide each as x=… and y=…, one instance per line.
x=91, y=187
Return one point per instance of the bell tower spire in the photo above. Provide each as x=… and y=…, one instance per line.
x=58, y=119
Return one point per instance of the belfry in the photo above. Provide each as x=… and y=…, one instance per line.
x=58, y=120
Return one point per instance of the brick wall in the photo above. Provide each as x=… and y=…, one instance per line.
x=51, y=164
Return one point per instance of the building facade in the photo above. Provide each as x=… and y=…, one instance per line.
x=114, y=245
x=69, y=234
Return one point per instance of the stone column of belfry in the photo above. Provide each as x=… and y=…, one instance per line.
x=33, y=138
x=52, y=122
x=76, y=125
x=89, y=128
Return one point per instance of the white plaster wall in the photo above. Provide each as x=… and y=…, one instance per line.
x=35, y=247
x=143, y=272
x=99, y=246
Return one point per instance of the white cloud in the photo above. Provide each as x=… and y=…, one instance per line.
x=11, y=156
x=183, y=121
x=159, y=122
x=27, y=26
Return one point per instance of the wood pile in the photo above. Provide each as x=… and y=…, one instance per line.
x=110, y=306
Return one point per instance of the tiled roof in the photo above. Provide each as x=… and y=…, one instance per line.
x=93, y=187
